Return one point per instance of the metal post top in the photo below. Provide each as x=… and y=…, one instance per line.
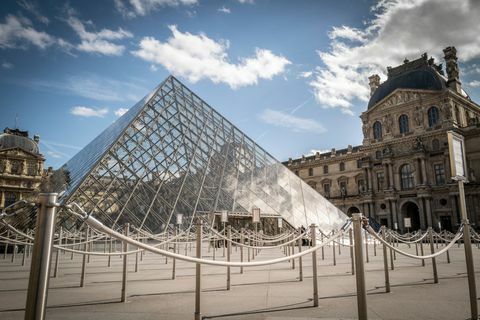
x=313, y=225
x=356, y=216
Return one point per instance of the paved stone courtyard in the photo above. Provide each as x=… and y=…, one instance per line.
x=271, y=292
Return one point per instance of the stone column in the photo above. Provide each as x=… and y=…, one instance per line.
x=455, y=213
x=429, y=212
x=372, y=210
x=424, y=171
x=367, y=182
x=370, y=178
x=392, y=182
x=422, y=214
x=395, y=214
x=417, y=172
x=387, y=176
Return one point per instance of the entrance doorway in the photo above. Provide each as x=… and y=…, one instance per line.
x=446, y=223
x=410, y=210
x=352, y=210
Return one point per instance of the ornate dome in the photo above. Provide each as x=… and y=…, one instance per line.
x=18, y=139
x=423, y=78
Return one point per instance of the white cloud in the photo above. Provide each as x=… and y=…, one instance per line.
x=98, y=42
x=474, y=83
x=306, y=74
x=89, y=112
x=93, y=87
x=224, y=10
x=133, y=8
x=120, y=112
x=246, y=1
x=400, y=29
x=54, y=154
x=18, y=32
x=7, y=65
x=153, y=68
x=198, y=57
x=315, y=151
x=289, y=121
x=33, y=9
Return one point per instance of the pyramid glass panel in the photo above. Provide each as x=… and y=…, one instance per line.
x=172, y=153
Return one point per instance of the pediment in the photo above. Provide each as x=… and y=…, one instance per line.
x=401, y=96
x=18, y=153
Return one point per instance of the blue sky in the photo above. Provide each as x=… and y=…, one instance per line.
x=290, y=74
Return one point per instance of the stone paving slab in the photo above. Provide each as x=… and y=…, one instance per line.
x=271, y=292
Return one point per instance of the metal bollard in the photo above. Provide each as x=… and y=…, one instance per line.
x=313, y=234
x=5, y=249
x=229, y=252
x=198, y=271
x=374, y=247
x=89, y=245
x=293, y=252
x=24, y=253
x=333, y=249
x=84, y=266
x=136, y=256
x=366, y=246
x=41, y=257
x=391, y=254
x=14, y=248
x=385, y=261
x=352, y=259
x=55, y=270
x=300, y=264
x=448, y=251
x=125, y=265
x=110, y=251
x=73, y=246
x=241, y=249
x=421, y=252
x=174, y=261
x=359, y=266
x=434, y=262
x=323, y=247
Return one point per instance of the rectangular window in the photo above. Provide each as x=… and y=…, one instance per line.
x=343, y=188
x=16, y=167
x=439, y=174
x=380, y=181
x=361, y=186
x=310, y=172
x=326, y=189
x=32, y=168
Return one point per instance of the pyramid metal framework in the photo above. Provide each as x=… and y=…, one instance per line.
x=173, y=154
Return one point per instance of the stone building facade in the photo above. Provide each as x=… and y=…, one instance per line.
x=21, y=166
x=402, y=168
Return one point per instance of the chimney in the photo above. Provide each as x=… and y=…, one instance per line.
x=374, y=82
x=452, y=69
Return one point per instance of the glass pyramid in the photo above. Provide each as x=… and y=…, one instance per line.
x=172, y=153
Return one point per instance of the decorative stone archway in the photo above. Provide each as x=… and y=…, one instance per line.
x=352, y=210
x=411, y=210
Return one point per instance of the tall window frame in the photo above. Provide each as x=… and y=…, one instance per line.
x=377, y=130
x=403, y=124
x=439, y=171
x=406, y=177
x=433, y=116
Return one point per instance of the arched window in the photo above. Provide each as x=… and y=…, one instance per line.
x=310, y=172
x=403, y=123
x=325, y=169
x=377, y=130
x=406, y=177
x=342, y=166
x=433, y=117
x=435, y=145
